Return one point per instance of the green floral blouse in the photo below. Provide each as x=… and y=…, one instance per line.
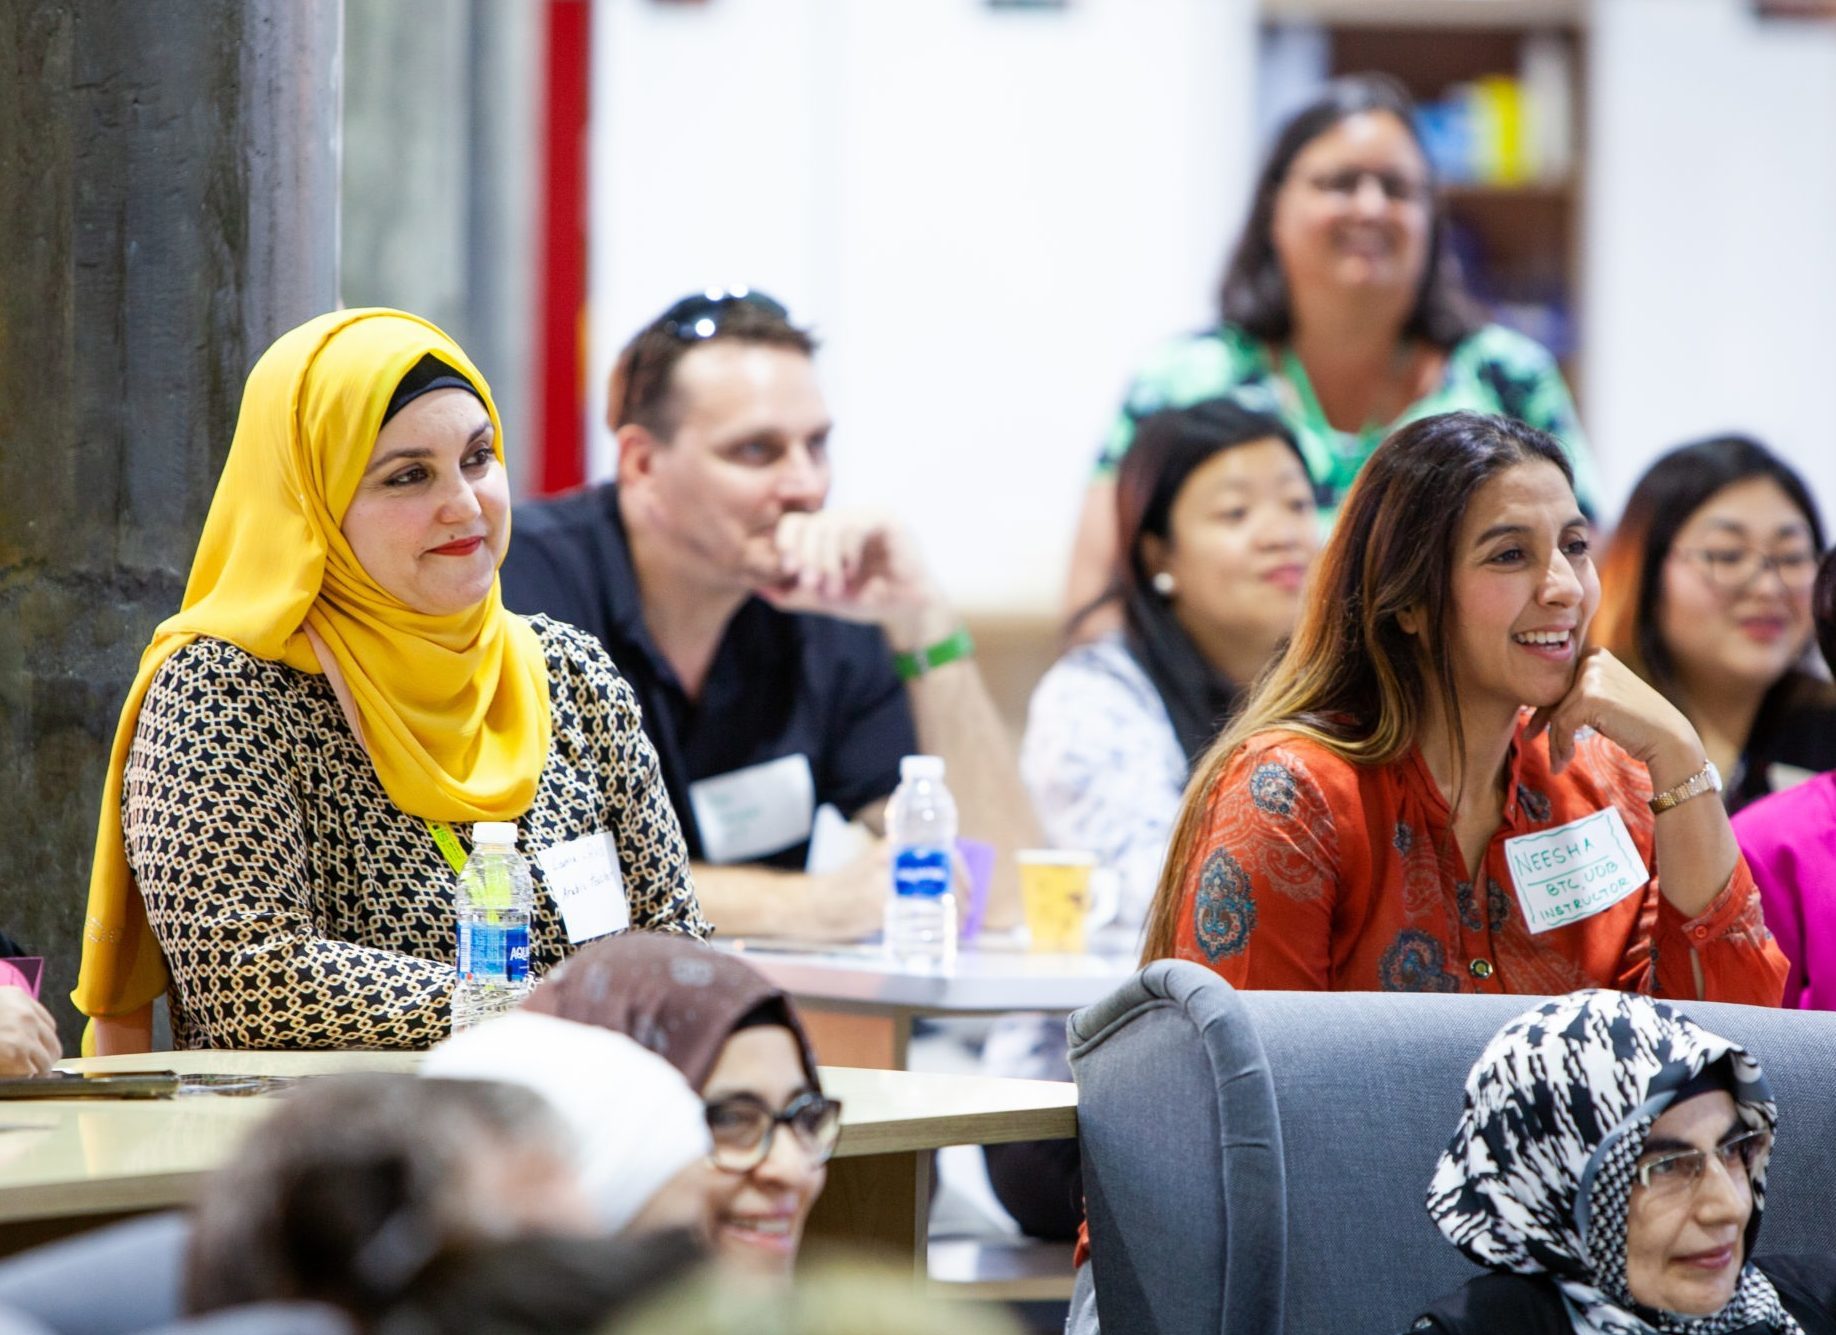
x=1493, y=370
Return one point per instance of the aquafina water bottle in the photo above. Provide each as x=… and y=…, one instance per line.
x=921, y=825
x=492, y=898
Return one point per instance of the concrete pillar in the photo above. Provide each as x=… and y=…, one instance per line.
x=442, y=104
x=171, y=206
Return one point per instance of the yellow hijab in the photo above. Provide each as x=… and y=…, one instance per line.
x=454, y=709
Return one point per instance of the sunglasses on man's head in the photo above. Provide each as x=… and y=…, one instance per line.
x=699, y=315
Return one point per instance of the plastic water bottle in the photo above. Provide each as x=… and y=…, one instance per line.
x=921, y=822
x=492, y=897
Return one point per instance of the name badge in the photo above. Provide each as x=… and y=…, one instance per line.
x=588, y=888
x=1575, y=870
x=753, y=812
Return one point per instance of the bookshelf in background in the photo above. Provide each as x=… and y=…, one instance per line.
x=1499, y=88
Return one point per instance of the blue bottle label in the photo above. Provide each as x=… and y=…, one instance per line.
x=493, y=953
x=922, y=871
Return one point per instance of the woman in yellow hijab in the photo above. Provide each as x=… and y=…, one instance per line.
x=341, y=682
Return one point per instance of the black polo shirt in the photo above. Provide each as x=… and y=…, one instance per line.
x=781, y=683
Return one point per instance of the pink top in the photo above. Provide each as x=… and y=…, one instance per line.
x=11, y=977
x=1790, y=842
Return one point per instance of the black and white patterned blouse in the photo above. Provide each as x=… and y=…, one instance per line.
x=297, y=906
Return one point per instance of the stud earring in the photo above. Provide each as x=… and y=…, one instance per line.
x=1163, y=583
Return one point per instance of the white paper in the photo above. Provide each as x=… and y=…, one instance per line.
x=584, y=878
x=834, y=842
x=754, y=812
x=1574, y=871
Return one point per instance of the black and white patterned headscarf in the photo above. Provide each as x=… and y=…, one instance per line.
x=1538, y=1178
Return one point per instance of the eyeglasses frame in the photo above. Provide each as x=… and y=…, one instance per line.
x=1768, y=562
x=787, y=1117
x=1759, y=1137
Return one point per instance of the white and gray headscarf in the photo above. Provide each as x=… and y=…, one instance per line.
x=1538, y=1177
x=635, y=1121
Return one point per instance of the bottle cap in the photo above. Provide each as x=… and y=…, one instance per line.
x=498, y=832
x=921, y=767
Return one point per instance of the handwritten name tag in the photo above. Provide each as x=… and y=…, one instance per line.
x=1575, y=870
x=752, y=812
x=588, y=888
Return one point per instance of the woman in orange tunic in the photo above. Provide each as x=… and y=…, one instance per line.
x=1439, y=787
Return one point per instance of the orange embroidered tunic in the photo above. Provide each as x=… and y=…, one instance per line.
x=1318, y=874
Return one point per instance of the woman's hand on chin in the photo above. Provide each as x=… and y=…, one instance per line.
x=1617, y=703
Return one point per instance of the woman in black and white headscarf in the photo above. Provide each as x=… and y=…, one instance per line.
x=1610, y=1171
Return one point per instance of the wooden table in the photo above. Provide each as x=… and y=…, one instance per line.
x=859, y=1004
x=67, y=1164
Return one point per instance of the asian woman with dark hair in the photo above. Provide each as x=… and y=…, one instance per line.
x=1219, y=533
x=1706, y=594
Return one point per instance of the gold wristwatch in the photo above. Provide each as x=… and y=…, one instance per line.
x=1705, y=780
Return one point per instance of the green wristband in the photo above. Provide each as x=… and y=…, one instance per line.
x=910, y=667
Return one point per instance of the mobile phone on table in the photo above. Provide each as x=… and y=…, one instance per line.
x=109, y=1085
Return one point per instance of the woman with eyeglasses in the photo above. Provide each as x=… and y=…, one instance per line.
x=1609, y=1173
x=1706, y=594
x=1343, y=302
x=740, y=1045
x=340, y=696
x=1439, y=787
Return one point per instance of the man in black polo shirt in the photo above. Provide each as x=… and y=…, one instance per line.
x=785, y=656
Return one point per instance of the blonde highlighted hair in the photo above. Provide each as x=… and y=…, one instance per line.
x=1352, y=679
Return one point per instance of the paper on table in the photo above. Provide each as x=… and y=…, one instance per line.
x=834, y=841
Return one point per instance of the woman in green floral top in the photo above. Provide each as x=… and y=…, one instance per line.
x=1343, y=314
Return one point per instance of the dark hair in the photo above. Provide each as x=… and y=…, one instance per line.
x=1254, y=294
x=540, y=1284
x=424, y=377
x=351, y=1187
x=1823, y=609
x=1352, y=679
x=641, y=389
x=1169, y=447
x=1671, y=490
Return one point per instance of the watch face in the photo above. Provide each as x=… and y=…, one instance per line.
x=1714, y=775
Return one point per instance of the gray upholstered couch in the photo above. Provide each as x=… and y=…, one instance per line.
x=125, y=1278
x=1255, y=1162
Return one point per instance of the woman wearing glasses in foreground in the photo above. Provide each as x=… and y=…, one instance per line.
x=1609, y=1171
x=1708, y=597
x=1439, y=787
x=741, y=1047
